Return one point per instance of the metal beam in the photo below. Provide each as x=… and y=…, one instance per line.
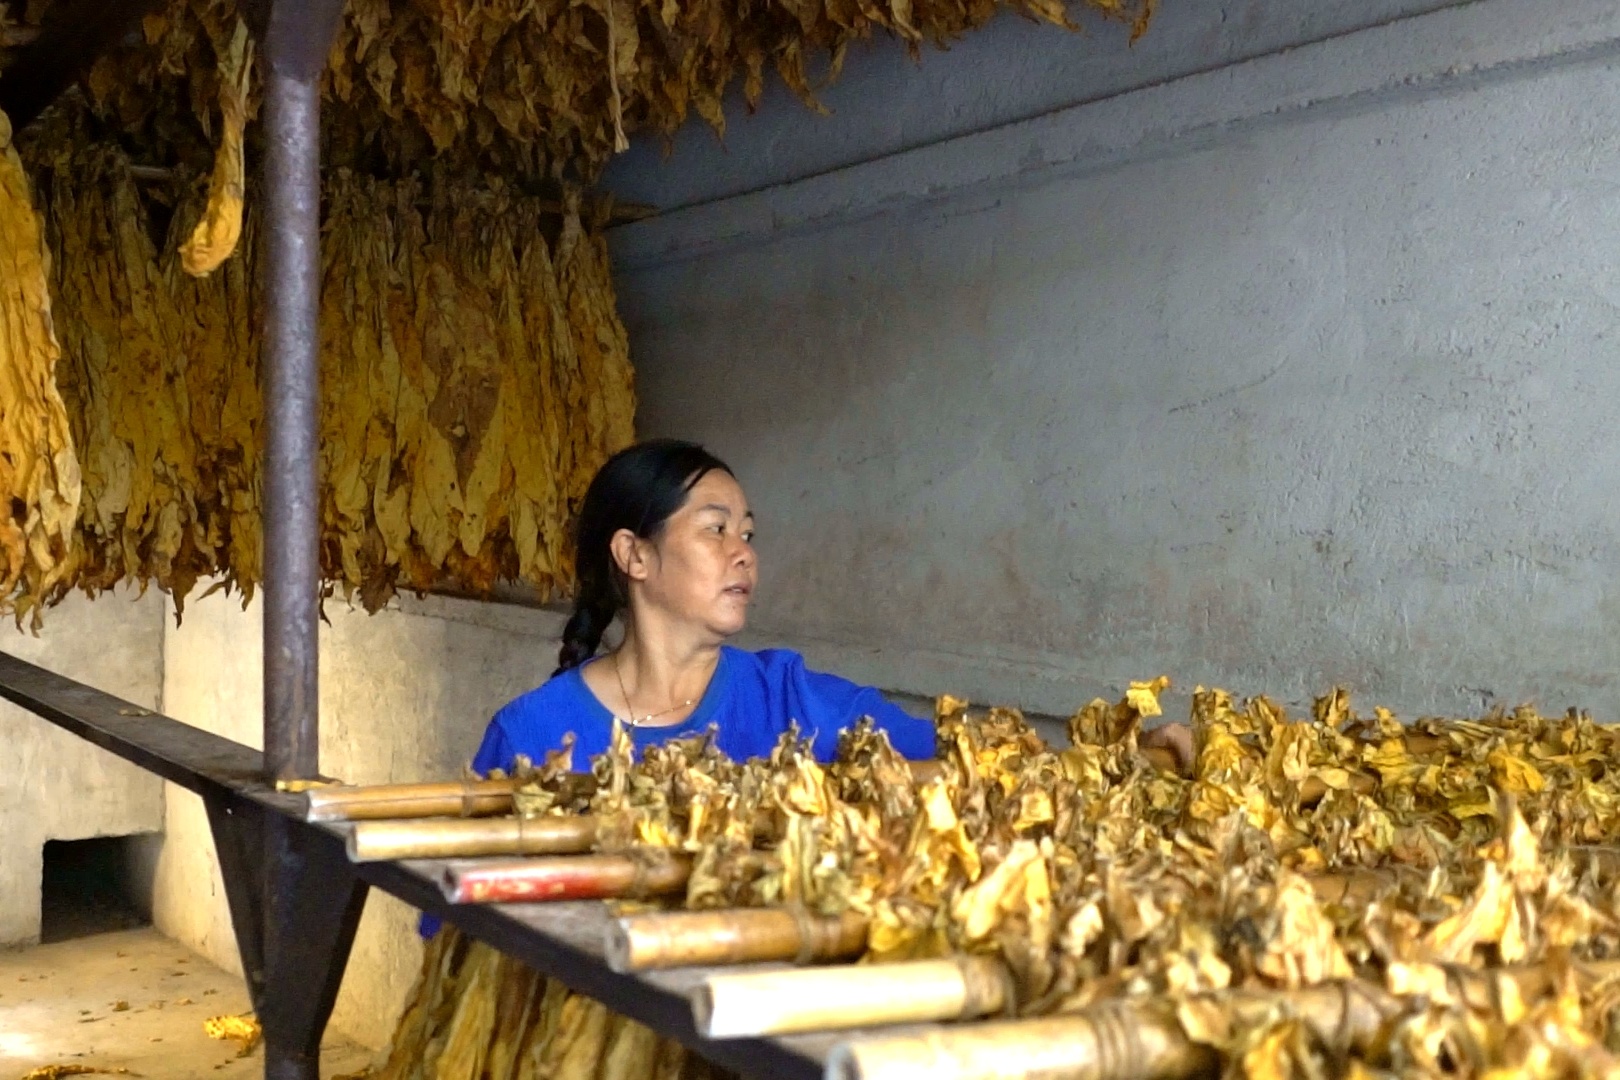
x=295, y=38
x=74, y=35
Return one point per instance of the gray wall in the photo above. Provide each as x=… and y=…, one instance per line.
x=56, y=786
x=1293, y=372
x=1010, y=70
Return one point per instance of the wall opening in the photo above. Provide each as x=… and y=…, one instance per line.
x=95, y=886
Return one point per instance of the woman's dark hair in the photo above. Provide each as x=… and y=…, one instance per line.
x=638, y=489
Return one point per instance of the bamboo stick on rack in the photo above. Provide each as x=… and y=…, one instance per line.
x=1138, y=1039
x=566, y=877
x=731, y=936
x=457, y=798
x=1142, y=1039
x=738, y=1005
x=448, y=838
x=462, y=798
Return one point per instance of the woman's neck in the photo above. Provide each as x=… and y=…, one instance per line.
x=662, y=672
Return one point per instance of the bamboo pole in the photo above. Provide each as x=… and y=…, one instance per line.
x=1142, y=1039
x=1349, y=886
x=731, y=936
x=464, y=798
x=741, y=1005
x=566, y=877
x=448, y=838
x=456, y=798
x=1115, y=1040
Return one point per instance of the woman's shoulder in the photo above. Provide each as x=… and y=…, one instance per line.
x=558, y=698
x=763, y=661
x=539, y=721
x=784, y=671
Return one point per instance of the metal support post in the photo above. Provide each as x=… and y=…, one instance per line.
x=312, y=899
x=296, y=36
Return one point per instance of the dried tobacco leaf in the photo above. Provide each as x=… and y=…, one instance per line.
x=244, y=1031
x=39, y=470
x=529, y=89
x=475, y=1013
x=215, y=237
x=455, y=350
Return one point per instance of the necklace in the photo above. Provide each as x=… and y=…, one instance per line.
x=631, y=719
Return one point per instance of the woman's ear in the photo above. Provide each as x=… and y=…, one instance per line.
x=627, y=555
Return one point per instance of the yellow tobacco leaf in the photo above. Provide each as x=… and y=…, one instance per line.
x=1019, y=884
x=1482, y=921
x=1418, y=980
x=39, y=470
x=1513, y=774
x=243, y=1030
x=1271, y=1058
x=1133, y=911
x=1034, y=808
x=1196, y=966
x=1084, y=927
x=1303, y=949
x=1144, y=696
x=945, y=832
x=216, y=234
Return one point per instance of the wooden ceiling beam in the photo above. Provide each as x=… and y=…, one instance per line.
x=75, y=33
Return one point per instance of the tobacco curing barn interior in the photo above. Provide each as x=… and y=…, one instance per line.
x=1259, y=344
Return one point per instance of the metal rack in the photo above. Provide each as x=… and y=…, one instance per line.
x=276, y=864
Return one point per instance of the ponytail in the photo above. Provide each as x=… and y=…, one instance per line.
x=583, y=634
x=638, y=489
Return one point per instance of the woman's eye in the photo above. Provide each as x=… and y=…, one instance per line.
x=749, y=536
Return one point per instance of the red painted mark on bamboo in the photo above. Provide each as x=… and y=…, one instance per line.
x=548, y=883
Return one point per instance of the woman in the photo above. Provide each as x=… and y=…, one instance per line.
x=665, y=543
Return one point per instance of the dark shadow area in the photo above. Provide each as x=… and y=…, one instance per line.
x=94, y=886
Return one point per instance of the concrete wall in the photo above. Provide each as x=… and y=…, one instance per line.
x=405, y=695
x=56, y=786
x=1295, y=372
x=1009, y=71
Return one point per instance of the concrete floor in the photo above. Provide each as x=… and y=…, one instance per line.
x=129, y=1000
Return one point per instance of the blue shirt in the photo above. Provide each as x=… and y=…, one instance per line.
x=752, y=699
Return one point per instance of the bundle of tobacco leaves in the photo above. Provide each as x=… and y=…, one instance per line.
x=1460, y=871
x=476, y=1013
x=39, y=470
x=518, y=87
x=474, y=377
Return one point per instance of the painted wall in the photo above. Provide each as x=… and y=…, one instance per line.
x=405, y=695
x=1297, y=372
x=1008, y=71
x=56, y=786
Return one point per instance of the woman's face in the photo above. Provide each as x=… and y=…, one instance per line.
x=701, y=568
